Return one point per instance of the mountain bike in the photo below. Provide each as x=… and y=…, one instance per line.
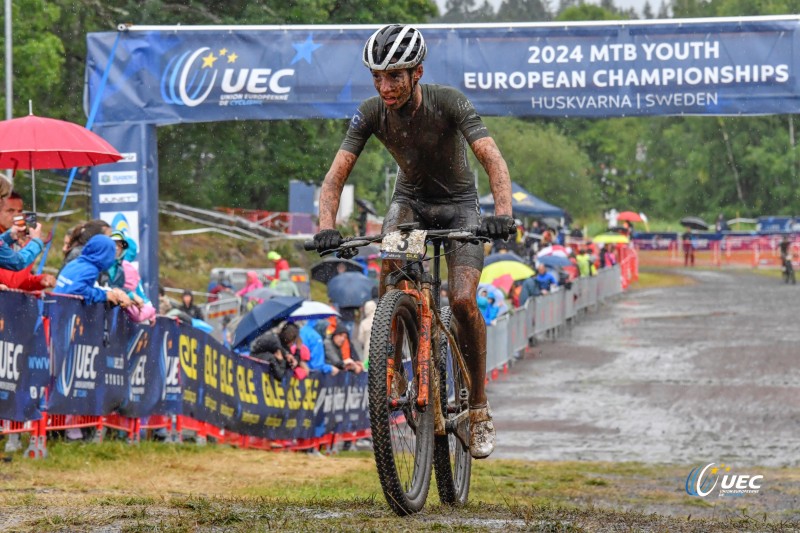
x=418, y=379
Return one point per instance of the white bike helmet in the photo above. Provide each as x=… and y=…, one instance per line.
x=394, y=47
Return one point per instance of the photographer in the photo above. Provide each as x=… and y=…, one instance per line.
x=12, y=208
x=32, y=240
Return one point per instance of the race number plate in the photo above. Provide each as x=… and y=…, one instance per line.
x=409, y=246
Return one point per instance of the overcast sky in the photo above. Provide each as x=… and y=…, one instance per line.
x=636, y=4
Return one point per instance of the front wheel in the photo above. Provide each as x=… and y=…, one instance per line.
x=452, y=460
x=402, y=436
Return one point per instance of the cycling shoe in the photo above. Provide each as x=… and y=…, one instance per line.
x=482, y=434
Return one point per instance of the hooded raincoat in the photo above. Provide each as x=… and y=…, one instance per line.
x=79, y=276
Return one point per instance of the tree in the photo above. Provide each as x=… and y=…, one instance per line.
x=466, y=11
x=38, y=56
x=523, y=11
x=544, y=162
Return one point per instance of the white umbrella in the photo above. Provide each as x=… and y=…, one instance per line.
x=555, y=249
x=310, y=310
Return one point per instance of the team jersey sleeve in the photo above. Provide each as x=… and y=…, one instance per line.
x=360, y=129
x=465, y=117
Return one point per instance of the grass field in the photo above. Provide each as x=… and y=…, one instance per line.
x=162, y=487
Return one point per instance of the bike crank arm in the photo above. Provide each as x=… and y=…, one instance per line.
x=456, y=426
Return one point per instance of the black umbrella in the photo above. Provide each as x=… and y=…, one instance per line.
x=327, y=269
x=367, y=206
x=263, y=317
x=350, y=289
x=694, y=223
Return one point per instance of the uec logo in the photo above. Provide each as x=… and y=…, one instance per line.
x=189, y=78
x=702, y=481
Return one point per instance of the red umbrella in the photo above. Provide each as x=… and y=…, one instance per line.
x=32, y=143
x=504, y=283
x=630, y=216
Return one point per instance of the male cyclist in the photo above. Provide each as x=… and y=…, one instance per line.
x=426, y=129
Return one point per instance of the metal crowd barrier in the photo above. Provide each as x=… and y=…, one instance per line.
x=545, y=316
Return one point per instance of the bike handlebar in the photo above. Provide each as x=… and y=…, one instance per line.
x=456, y=234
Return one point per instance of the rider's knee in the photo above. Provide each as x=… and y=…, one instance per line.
x=463, y=304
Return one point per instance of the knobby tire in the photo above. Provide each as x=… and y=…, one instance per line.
x=403, y=456
x=451, y=460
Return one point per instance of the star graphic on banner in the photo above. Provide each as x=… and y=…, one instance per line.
x=304, y=50
x=223, y=51
x=233, y=57
x=208, y=61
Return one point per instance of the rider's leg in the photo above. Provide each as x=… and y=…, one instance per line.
x=463, y=287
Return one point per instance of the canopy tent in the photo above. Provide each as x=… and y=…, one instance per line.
x=525, y=204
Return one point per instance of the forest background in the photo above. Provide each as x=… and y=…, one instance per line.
x=667, y=167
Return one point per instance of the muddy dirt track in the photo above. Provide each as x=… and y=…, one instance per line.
x=707, y=372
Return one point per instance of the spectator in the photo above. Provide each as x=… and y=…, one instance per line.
x=143, y=310
x=10, y=207
x=164, y=303
x=267, y=347
x=607, y=257
x=347, y=318
x=80, y=276
x=23, y=279
x=365, y=329
x=585, y=265
x=340, y=353
x=188, y=306
x=721, y=224
x=251, y=284
x=16, y=261
x=483, y=307
x=313, y=341
x=295, y=352
x=688, y=248
x=81, y=235
x=280, y=263
x=545, y=280
x=221, y=290
x=529, y=290
x=115, y=276
x=283, y=285
x=514, y=293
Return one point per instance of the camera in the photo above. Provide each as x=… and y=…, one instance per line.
x=24, y=222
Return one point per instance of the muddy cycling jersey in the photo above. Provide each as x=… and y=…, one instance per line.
x=429, y=145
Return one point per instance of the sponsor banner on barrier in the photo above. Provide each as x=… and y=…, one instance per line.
x=24, y=361
x=88, y=347
x=237, y=393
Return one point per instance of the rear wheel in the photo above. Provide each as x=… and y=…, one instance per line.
x=452, y=460
x=402, y=436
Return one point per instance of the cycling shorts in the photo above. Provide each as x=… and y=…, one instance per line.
x=440, y=216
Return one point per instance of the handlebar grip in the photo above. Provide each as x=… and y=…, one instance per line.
x=309, y=246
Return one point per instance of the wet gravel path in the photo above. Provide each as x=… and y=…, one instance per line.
x=708, y=372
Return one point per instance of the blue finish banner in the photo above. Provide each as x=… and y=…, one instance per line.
x=696, y=67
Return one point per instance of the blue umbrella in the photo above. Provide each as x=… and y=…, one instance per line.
x=350, y=289
x=554, y=261
x=505, y=256
x=263, y=317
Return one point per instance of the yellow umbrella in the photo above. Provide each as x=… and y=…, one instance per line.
x=515, y=269
x=611, y=238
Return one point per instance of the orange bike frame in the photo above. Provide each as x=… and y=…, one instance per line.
x=424, y=348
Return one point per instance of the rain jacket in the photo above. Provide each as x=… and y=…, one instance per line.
x=79, y=276
x=252, y=283
x=488, y=311
x=313, y=341
x=11, y=260
x=284, y=285
x=365, y=328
